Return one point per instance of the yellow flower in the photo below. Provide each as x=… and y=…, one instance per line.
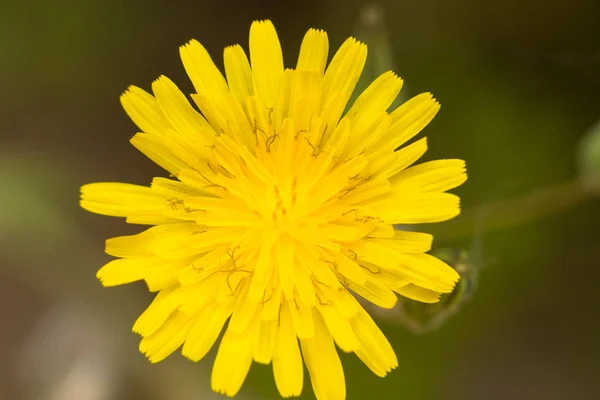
x=282, y=212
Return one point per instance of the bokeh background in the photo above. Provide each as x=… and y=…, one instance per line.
x=518, y=82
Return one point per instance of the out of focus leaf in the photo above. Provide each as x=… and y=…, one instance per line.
x=371, y=29
x=588, y=158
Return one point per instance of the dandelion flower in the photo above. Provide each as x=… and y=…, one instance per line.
x=279, y=211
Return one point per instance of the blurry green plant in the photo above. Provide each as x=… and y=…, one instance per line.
x=589, y=159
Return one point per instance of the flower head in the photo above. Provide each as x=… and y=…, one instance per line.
x=282, y=210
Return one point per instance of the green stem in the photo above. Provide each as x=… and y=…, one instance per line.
x=515, y=211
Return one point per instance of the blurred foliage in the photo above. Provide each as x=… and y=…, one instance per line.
x=589, y=159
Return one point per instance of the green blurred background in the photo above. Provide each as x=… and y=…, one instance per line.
x=518, y=83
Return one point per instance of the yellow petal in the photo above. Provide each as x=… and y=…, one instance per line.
x=418, y=293
x=344, y=303
x=177, y=108
x=409, y=119
x=313, y=52
x=304, y=286
x=439, y=268
x=336, y=135
x=302, y=320
x=408, y=242
x=265, y=335
x=389, y=278
x=167, y=339
x=159, y=310
x=375, y=292
x=434, y=176
x=287, y=361
x=177, y=243
x=155, y=148
x=348, y=268
x=340, y=329
x=323, y=363
x=420, y=269
x=134, y=246
x=418, y=209
x=144, y=111
x=232, y=363
x=382, y=231
x=122, y=271
x=267, y=61
x=378, y=96
x=331, y=112
x=175, y=191
x=244, y=313
x=205, y=331
x=119, y=199
x=305, y=91
x=163, y=277
x=239, y=74
x=203, y=295
x=226, y=116
x=376, y=351
x=332, y=183
x=310, y=257
x=412, y=242
x=263, y=268
x=192, y=136
x=272, y=299
x=142, y=244
x=285, y=263
x=386, y=162
x=367, y=191
x=343, y=73
x=204, y=74
x=213, y=97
